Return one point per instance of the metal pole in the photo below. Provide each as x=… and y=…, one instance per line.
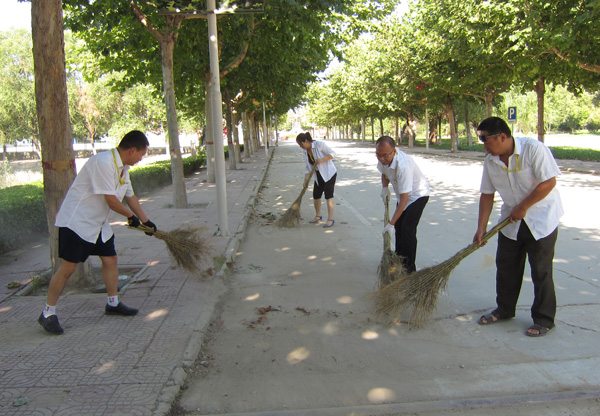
x=266, y=136
x=217, y=119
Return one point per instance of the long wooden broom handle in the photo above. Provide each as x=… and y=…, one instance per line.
x=495, y=230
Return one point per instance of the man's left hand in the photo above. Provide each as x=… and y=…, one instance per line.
x=390, y=229
x=150, y=224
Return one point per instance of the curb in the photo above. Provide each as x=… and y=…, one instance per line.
x=173, y=386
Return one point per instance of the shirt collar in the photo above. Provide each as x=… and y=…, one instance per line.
x=117, y=157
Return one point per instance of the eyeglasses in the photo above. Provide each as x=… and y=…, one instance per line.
x=385, y=155
x=483, y=139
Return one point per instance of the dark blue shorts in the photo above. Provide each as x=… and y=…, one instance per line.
x=75, y=249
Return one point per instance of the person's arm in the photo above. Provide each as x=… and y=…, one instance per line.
x=486, y=203
x=399, y=208
x=113, y=203
x=134, y=204
x=540, y=192
x=384, y=181
x=323, y=159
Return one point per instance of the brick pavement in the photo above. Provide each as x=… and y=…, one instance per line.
x=113, y=365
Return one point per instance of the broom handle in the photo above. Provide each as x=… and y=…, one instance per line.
x=143, y=228
x=305, y=185
x=495, y=230
x=475, y=245
x=387, y=239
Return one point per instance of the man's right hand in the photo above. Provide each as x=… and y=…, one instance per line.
x=385, y=194
x=133, y=221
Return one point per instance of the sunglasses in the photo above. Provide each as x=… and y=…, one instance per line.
x=483, y=139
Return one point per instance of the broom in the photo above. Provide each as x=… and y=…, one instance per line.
x=187, y=247
x=391, y=267
x=422, y=288
x=291, y=218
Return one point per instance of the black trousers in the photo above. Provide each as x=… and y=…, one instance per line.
x=406, y=233
x=510, y=267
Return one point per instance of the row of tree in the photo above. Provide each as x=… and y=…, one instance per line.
x=267, y=56
x=96, y=109
x=448, y=59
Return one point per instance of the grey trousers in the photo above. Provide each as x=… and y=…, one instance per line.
x=510, y=267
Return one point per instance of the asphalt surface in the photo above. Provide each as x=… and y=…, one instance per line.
x=110, y=365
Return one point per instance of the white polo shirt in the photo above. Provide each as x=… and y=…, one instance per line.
x=405, y=177
x=320, y=150
x=531, y=164
x=84, y=209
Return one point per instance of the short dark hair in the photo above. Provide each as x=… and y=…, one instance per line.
x=494, y=125
x=386, y=139
x=134, y=138
x=303, y=137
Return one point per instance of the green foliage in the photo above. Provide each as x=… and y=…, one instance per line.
x=562, y=152
x=22, y=216
x=147, y=178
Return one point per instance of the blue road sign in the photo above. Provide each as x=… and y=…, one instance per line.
x=512, y=114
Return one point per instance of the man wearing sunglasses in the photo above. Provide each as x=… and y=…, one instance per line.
x=523, y=171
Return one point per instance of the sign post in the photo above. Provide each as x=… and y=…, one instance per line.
x=512, y=115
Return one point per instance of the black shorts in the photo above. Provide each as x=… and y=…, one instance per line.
x=75, y=249
x=322, y=186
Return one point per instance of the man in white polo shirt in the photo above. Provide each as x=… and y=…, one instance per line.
x=523, y=171
x=84, y=228
x=412, y=191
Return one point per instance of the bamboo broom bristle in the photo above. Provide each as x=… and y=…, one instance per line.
x=421, y=289
x=187, y=247
x=291, y=218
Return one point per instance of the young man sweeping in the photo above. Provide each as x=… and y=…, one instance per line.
x=412, y=191
x=523, y=171
x=83, y=224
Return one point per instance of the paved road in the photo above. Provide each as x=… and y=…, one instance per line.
x=320, y=352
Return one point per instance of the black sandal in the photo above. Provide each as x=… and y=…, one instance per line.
x=542, y=330
x=489, y=319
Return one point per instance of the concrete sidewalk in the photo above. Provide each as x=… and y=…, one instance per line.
x=112, y=365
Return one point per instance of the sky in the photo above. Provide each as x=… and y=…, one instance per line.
x=15, y=15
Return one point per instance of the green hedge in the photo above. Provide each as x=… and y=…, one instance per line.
x=23, y=214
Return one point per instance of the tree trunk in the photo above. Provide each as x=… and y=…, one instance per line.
x=372, y=129
x=276, y=132
x=363, y=129
x=236, y=137
x=488, y=105
x=540, y=90
x=167, y=45
x=452, y=124
x=433, y=131
x=247, y=135
x=409, y=129
x=468, y=126
x=210, y=149
x=426, y=126
x=231, y=146
x=381, y=126
x=58, y=162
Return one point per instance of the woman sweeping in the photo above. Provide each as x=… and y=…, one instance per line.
x=317, y=152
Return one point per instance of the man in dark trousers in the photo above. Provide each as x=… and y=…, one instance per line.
x=84, y=228
x=412, y=191
x=523, y=171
